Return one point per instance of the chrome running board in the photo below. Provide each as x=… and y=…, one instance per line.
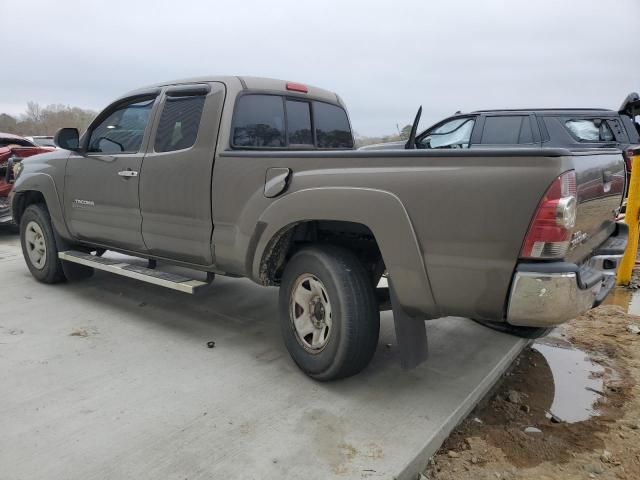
x=148, y=275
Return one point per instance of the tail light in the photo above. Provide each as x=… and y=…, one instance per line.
x=549, y=234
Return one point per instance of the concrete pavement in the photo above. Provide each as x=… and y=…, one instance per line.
x=112, y=379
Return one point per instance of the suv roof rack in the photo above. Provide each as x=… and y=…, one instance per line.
x=545, y=110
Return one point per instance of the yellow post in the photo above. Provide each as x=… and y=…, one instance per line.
x=631, y=218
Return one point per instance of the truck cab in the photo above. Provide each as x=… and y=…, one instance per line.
x=141, y=180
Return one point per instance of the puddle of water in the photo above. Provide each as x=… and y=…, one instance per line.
x=578, y=382
x=629, y=300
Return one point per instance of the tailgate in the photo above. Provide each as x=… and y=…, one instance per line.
x=600, y=178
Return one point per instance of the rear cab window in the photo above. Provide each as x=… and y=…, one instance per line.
x=271, y=121
x=332, y=126
x=299, y=123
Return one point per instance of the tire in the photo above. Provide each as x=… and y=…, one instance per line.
x=39, y=245
x=340, y=337
x=518, y=331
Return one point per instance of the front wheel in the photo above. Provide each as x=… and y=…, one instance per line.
x=328, y=312
x=39, y=245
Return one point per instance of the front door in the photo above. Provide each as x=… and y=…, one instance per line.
x=101, y=185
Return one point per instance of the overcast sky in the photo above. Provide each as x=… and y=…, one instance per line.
x=383, y=57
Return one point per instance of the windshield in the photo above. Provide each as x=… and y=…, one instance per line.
x=453, y=134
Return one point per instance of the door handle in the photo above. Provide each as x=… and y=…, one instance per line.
x=128, y=173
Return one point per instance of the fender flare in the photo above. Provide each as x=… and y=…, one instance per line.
x=382, y=212
x=44, y=184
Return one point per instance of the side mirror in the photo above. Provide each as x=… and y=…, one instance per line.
x=67, y=138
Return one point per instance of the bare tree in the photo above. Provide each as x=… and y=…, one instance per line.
x=33, y=112
x=38, y=120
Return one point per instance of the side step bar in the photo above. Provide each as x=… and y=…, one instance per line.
x=163, y=279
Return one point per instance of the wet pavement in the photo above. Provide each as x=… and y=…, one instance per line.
x=626, y=298
x=577, y=382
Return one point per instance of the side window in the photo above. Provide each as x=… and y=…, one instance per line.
x=299, y=123
x=179, y=122
x=590, y=130
x=258, y=122
x=332, y=126
x=507, y=130
x=123, y=129
x=453, y=134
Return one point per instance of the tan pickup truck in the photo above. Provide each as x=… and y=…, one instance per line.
x=258, y=178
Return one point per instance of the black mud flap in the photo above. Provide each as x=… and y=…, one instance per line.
x=411, y=334
x=72, y=271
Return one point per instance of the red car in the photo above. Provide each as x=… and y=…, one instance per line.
x=13, y=148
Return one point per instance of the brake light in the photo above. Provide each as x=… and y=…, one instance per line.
x=550, y=231
x=297, y=87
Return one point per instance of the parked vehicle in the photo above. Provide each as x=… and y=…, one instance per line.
x=42, y=140
x=573, y=128
x=258, y=178
x=13, y=149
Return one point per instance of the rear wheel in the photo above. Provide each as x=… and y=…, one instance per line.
x=39, y=245
x=328, y=312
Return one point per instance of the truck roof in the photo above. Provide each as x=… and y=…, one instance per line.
x=250, y=83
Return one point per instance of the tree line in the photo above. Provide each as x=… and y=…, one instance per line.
x=39, y=120
x=403, y=135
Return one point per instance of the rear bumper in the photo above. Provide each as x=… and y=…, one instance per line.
x=548, y=294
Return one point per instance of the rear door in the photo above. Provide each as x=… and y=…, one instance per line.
x=176, y=174
x=507, y=129
x=101, y=182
